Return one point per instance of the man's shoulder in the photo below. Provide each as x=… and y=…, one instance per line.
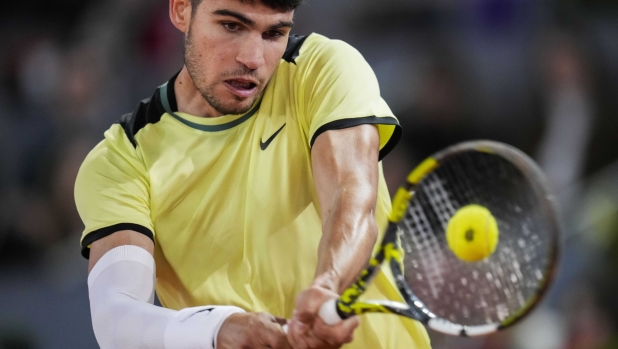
x=147, y=111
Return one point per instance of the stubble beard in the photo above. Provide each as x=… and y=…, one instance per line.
x=208, y=91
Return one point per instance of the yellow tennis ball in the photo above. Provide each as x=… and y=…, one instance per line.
x=472, y=233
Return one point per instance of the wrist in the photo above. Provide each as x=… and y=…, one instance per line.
x=329, y=280
x=197, y=327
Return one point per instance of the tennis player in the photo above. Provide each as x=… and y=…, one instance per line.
x=251, y=180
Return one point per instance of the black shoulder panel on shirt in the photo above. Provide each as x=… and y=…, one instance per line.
x=148, y=111
x=294, y=44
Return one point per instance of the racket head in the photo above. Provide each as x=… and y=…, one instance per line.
x=474, y=298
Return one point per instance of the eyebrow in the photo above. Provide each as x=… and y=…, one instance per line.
x=281, y=24
x=238, y=16
x=250, y=22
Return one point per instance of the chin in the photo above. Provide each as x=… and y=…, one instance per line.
x=236, y=106
x=226, y=103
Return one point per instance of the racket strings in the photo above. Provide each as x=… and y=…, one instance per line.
x=508, y=270
x=430, y=244
x=497, y=287
x=484, y=172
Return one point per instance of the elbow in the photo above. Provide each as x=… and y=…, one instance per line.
x=116, y=319
x=102, y=324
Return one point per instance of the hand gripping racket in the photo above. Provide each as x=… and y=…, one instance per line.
x=442, y=291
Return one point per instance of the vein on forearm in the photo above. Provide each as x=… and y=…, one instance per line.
x=346, y=174
x=349, y=234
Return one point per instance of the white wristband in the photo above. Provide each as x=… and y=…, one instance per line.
x=198, y=327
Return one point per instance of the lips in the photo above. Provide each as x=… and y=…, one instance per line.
x=241, y=87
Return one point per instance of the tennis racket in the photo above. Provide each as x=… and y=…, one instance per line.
x=445, y=293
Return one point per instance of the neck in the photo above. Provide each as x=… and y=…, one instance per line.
x=189, y=99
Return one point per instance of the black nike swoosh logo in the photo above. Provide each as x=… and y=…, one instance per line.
x=264, y=145
x=197, y=312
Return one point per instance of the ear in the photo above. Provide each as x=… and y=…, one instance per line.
x=180, y=14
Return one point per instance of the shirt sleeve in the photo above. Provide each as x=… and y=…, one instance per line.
x=112, y=190
x=340, y=91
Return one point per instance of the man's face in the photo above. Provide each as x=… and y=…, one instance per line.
x=232, y=50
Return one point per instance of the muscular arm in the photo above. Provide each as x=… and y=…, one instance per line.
x=345, y=169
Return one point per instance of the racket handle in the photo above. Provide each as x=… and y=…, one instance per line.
x=328, y=312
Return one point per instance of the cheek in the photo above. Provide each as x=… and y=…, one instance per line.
x=212, y=56
x=209, y=45
x=273, y=55
x=210, y=49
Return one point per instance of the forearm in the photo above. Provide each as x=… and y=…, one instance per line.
x=349, y=234
x=346, y=171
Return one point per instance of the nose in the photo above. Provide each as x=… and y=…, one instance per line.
x=251, y=52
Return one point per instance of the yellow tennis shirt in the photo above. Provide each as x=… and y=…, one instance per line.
x=230, y=202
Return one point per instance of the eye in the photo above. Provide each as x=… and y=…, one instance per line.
x=274, y=34
x=231, y=26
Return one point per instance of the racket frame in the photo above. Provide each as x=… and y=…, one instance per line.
x=347, y=304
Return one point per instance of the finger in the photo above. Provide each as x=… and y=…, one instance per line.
x=307, y=337
x=274, y=336
x=297, y=328
x=296, y=335
x=314, y=342
x=350, y=326
x=266, y=317
x=338, y=334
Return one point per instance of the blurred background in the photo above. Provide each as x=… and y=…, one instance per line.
x=541, y=75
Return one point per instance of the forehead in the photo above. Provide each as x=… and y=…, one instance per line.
x=246, y=7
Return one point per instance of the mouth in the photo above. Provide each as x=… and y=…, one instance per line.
x=241, y=87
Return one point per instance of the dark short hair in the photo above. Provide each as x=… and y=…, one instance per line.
x=286, y=5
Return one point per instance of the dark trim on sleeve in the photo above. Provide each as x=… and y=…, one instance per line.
x=103, y=232
x=371, y=120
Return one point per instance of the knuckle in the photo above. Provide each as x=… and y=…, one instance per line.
x=262, y=315
x=259, y=320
